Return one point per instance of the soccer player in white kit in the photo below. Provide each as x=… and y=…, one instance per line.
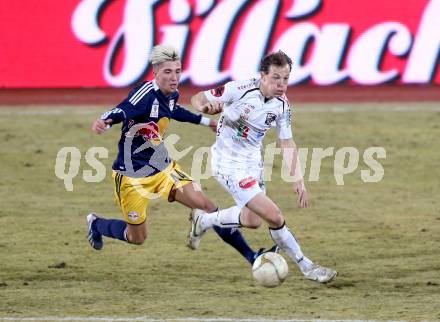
x=250, y=108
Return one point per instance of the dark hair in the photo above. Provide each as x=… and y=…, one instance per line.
x=278, y=58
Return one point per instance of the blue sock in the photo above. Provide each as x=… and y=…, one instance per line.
x=233, y=237
x=113, y=228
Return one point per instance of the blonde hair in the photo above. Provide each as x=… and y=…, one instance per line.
x=163, y=53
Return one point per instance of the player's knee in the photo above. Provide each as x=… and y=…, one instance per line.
x=206, y=205
x=137, y=239
x=275, y=218
x=249, y=219
x=254, y=223
x=210, y=207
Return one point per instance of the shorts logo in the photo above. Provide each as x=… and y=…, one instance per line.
x=270, y=117
x=218, y=91
x=248, y=182
x=133, y=216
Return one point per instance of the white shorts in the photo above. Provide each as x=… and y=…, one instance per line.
x=242, y=186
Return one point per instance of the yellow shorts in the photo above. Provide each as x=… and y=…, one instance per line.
x=134, y=194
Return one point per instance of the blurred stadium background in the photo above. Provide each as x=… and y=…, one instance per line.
x=366, y=73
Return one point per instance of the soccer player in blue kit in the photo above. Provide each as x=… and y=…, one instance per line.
x=143, y=170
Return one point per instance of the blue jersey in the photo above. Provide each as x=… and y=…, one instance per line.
x=145, y=115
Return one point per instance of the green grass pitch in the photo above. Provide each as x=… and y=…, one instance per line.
x=383, y=237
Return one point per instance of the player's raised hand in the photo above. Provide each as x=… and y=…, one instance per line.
x=213, y=107
x=303, y=196
x=100, y=126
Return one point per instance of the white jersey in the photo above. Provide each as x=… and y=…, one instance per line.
x=246, y=117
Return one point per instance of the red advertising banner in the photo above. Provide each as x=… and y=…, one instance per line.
x=103, y=43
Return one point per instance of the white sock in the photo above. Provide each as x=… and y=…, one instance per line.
x=287, y=242
x=225, y=218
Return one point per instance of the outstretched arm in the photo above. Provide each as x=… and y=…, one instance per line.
x=201, y=104
x=290, y=154
x=123, y=111
x=182, y=114
x=107, y=119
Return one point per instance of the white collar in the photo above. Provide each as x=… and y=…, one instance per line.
x=156, y=88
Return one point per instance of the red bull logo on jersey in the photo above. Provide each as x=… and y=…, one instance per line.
x=148, y=131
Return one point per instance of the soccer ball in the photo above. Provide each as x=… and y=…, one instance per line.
x=270, y=269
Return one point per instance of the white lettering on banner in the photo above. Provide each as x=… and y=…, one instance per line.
x=295, y=42
x=301, y=8
x=135, y=36
x=367, y=53
x=322, y=53
x=203, y=6
x=425, y=53
x=327, y=57
x=137, y=43
x=85, y=22
x=207, y=49
x=258, y=25
x=176, y=35
x=180, y=10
